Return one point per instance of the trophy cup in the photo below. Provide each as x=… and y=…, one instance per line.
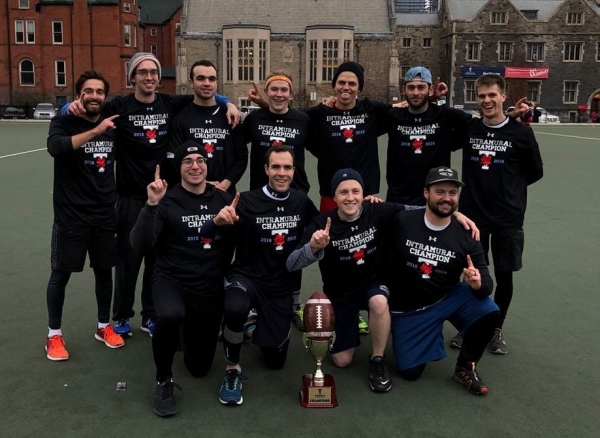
x=318, y=389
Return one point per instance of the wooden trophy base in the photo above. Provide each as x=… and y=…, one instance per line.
x=312, y=396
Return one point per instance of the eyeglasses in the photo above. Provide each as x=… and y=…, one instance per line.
x=144, y=73
x=189, y=162
x=203, y=78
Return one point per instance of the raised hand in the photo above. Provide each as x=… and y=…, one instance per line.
x=156, y=189
x=227, y=215
x=320, y=238
x=254, y=94
x=439, y=89
x=471, y=275
x=76, y=108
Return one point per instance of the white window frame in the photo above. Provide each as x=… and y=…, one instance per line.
x=535, y=57
x=21, y=73
x=153, y=49
x=474, y=44
x=20, y=23
x=126, y=7
x=153, y=31
x=126, y=34
x=576, y=91
x=28, y=33
x=530, y=96
x=575, y=18
x=313, y=58
x=64, y=72
x=498, y=18
x=127, y=83
x=501, y=46
x=568, y=44
x=246, y=54
x=62, y=37
x=23, y=4
x=331, y=46
x=470, y=91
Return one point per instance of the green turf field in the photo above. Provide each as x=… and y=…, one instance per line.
x=547, y=386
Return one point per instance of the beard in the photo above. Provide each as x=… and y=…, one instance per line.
x=93, y=111
x=435, y=208
x=418, y=106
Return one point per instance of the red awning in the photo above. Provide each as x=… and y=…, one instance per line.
x=527, y=73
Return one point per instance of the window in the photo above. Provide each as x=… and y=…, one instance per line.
x=534, y=52
x=153, y=31
x=128, y=35
x=246, y=60
x=312, y=61
x=470, y=94
x=26, y=73
x=406, y=42
x=30, y=32
x=575, y=18
x=426, y=42
x=573, y=52
x=530, y=15
x=347, y=50
x=598, y=52
x=229, y=60
x=135, y=36
x=60, y=72
x=446, y=52
x=498, y=18
x=126, y=7
x=533, y=91
x=19, y=32
x=177, y=26
x=330, y=59
x=473, y=51
x=127, y=83
x=570, y=91
x=57, y=32
x=262, y=60
x=23, y=4
x=505, y=51
x=153, y=49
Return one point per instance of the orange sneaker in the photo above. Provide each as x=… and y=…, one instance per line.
x=109, y=337
x=55, y=348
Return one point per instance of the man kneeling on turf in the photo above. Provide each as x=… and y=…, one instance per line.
x=430, y=252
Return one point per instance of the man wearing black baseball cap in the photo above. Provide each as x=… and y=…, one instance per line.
x=431, y=251
x=187, y=286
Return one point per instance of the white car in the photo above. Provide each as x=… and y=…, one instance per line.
x=546, y=117
x=245, y=110
x=44, y=111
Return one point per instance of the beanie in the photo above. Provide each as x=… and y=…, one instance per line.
x=352, y=67
x=140, y=57
x=344, y=175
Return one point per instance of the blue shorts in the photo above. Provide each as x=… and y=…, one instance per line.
x=417, y=336
x=346, y=317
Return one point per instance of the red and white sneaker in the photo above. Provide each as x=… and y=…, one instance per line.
x=109, y=337
x=55, y=348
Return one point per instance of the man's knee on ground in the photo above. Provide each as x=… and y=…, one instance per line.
x=413, y=373
x=343, y=358
x=378, y=305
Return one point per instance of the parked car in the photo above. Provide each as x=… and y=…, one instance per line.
x=14, y=113
x=245, y=110
x=44, y=111
x=546, y=117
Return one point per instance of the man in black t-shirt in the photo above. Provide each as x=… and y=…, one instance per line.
x=501, y=158
x=84, y=195
x=430, y=252
x=188, y=275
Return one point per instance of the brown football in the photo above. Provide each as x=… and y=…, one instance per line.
x=319, y=319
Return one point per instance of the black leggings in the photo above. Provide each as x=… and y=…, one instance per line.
x=237, y=306
x=196, y=318
x=55, y=295
x=504, y=293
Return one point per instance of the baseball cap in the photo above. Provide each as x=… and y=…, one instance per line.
x=418, y=74
x=442, y=174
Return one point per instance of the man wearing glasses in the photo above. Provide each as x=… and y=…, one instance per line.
x=188, y=285
x=205, y=122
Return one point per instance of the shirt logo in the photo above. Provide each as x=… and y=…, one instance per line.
x=358, y=254
x=206, y=242
x=151, y=132
x=485, y=157
x=100, y=162
x=279, y=238
x=426, y=267
x=348, y=132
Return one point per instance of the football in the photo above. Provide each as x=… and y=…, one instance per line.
x=319, y=319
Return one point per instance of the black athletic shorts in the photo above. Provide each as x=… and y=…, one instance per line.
x=507, y=247
x=70, y=244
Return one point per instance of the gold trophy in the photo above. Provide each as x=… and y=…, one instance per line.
x=318, y=389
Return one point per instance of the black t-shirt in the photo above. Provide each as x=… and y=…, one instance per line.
x=426, y=264
x=268, y=231
x=355, y=252
x=142, y=138
x=209, y=127
x=416, y=144
x=264, y=129
x=198, y=263
x=347, y=139
x=499, y=162
x=84, y=181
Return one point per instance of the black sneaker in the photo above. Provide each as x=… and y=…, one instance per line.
x=164, y=400
x=469, y=377
x=379, y=379
x=456, y=341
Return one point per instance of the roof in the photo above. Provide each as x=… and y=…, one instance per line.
x=417, y=19
x=157, y=11
x=467, y=10
x=209, y=16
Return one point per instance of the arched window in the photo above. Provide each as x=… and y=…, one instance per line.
x=27, y=72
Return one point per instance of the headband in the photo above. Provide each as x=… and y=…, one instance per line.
x=278, y=78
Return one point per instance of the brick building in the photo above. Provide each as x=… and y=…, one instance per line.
x=48, y=43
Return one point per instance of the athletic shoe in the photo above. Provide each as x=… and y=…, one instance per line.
x=148, y=326
x=470, y=379
x=122, y=328
x=379, y=379
x=456, y=341
x=231, y=388
x=498, y=345
x=299, y=317
x=55, y=348
x=164, y=400
x=363, y=327
x=250, y=324
x=109, y=337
